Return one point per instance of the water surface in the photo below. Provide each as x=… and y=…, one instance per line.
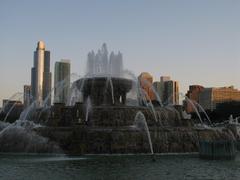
x=41, y=167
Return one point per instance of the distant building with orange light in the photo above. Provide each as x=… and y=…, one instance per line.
x=146, y=81
x=210, y=97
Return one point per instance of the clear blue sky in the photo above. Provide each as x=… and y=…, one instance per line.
x=193, y=41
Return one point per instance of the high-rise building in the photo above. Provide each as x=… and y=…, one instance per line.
x=41, y=75
x=193, y=96
x=61, y=81
x=162, y=93
x=146, y=81
x=210, y=97
x=157, y=87
x=171, y=92
x=27, y=95
x=168, y=90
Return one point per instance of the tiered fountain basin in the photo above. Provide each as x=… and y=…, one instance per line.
x=112, y=115
x=110, y=128
x=122, y=137
x=105, y=90
x=108, y=125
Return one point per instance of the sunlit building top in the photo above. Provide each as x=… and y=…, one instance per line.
x=40, y=45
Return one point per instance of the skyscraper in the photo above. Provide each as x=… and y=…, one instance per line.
x=171, y=92
x=61, y=81
x=192, y=96
x=168, y=90
x=162, y=85
x=41, y=75
x=27, y=95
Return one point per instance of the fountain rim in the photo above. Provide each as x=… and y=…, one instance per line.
x=100, y=79
x=105, y=77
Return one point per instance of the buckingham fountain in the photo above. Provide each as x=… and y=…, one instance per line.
x=109, y=113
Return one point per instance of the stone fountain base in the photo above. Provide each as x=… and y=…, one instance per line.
x=125, y=140
x=111, y=130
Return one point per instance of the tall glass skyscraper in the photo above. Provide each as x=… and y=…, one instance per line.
x=41, y=75
x=61, y=81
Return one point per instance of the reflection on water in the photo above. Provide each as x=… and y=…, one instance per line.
x=38, y=167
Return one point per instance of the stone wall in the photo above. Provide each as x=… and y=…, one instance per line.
x=114, y=116
x=85, y=140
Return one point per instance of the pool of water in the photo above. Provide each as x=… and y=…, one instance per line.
x=41, y=167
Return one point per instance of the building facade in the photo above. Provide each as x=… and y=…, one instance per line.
x=193, y=96
x=158, y=89
x=168, y=90
x=210, y=97
x=41, y=75
x=27, y=94
x=61, y=81
x=171, y=92
x=11, y=109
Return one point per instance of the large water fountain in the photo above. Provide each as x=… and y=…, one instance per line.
x=109, y=112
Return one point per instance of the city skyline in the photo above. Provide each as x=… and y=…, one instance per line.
x=174, y=39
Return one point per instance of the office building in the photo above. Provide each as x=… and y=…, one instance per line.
x=210, y=97
x=192, y=98
x=168, y=90
x=161, y=88
x=61, y=81
x=171, y=92
x=157, y=88
x=27, y=95
x=41, y=75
